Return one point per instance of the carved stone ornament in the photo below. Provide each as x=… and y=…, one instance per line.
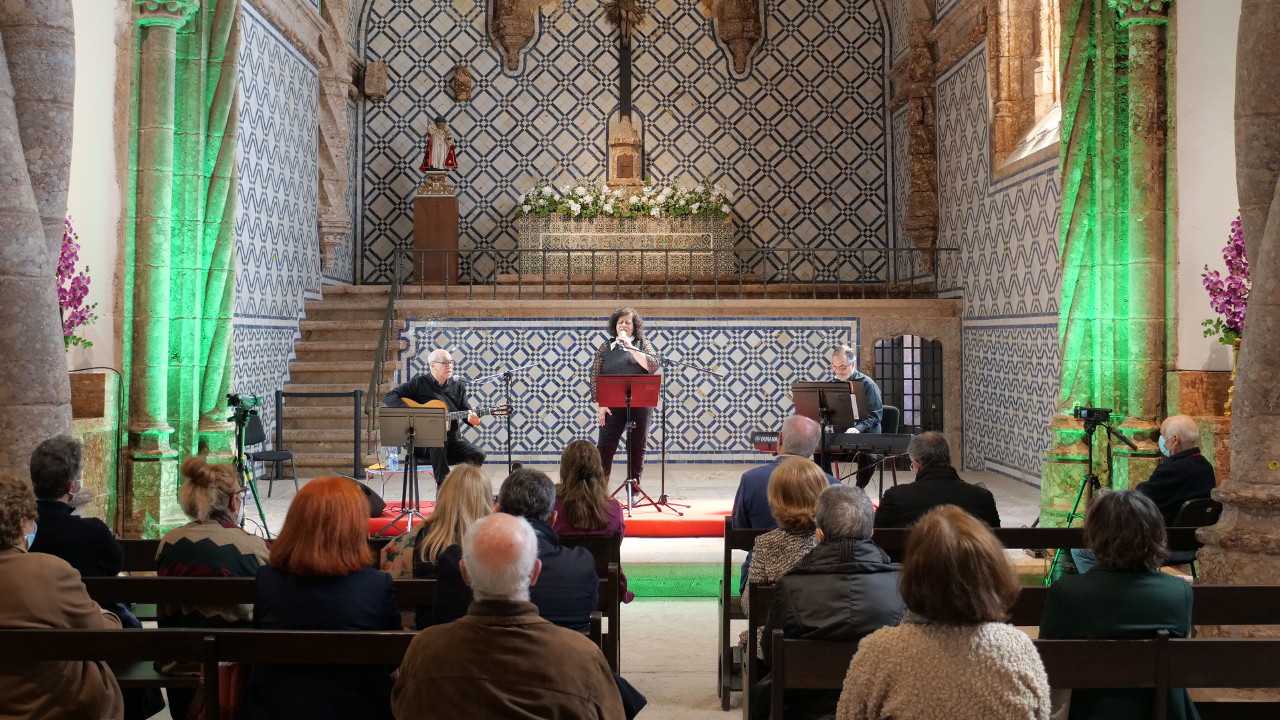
x=1137, y=12
x=738, y=26
x=512, y=28
x=375, y=80
x=461, y=82
x=625, y=147
x=170, y=13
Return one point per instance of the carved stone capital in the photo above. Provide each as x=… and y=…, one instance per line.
x=1141, y=12
x=511, y=28
x=165, y=13
x=332, y=232
x=738, y=27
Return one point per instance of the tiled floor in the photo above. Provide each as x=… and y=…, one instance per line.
x=669, y=645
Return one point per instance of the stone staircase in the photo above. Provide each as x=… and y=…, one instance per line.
x=339, y=341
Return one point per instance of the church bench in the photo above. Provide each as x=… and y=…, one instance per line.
x=140, y=555
x=729, y=606
x=1158, y=663
x=154, y=591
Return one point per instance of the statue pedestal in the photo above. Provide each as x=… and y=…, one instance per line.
x=435, y=228
x=611, y=246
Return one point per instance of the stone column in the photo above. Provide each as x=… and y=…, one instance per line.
x=152, y=460
x=40, y=46
x=1244, y=547
x=35, y=394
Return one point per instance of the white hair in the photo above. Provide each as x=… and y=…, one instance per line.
x=492, y=571
x=436, y=355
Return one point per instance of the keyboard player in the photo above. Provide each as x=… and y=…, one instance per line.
x=844, y=364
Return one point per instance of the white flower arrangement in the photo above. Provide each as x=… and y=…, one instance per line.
x=583, y=200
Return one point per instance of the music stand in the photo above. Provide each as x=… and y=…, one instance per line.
x=837, y=404
x=629, y=391
x=410, y=428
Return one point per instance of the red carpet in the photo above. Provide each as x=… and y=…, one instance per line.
x=704, y=519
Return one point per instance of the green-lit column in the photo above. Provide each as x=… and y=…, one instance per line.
x=152, y=464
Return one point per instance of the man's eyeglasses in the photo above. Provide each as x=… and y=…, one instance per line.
x=842, y=368
x=446, y=363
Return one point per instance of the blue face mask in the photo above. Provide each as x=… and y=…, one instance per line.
x=31, y=539
x=1163, y=450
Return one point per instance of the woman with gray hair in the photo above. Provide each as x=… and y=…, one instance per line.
x=43, y=591
x=211, y=545
x=1124, y=597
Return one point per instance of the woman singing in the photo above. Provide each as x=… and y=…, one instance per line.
x=618, y=356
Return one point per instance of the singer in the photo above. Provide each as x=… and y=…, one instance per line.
x=617, y=356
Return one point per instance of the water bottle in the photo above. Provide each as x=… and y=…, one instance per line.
x=393, y=463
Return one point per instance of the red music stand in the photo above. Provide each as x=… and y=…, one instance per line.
x=629, y=391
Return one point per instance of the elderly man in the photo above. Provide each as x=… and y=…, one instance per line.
x=1184, y=474
x=844, y=589
x=502, y=660
x=844, y=364
x=439, y=384
x=85, y=543
x=568, y=590
x=936, y=483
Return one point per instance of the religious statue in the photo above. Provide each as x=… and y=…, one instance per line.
x=440, y=154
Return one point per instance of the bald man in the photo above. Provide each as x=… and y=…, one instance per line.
x=439, y=384
x=501, y=659
x=1183, y=475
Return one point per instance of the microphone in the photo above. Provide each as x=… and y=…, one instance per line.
x=623, y=340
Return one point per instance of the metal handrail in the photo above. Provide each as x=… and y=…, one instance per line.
x=380, y=355
x=357, y=460
x=879, y=271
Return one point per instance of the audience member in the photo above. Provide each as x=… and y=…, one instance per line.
x=44, y=591
x=568, y=589
x=1124, y=597
x=793, y=495
x=211, y=545
x=798, y=437
x=321, y=578
x=1183, y=475
x=843, y=590
x=953, y=656
x=583, y=506
x=87, y=544
x=501, y=660
x=936, y=483
x=465, y=496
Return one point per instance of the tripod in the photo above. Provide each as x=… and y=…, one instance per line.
x=1090, y=484
x=241, y=411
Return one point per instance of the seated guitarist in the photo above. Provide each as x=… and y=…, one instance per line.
x=440, y=385
x=844, y=364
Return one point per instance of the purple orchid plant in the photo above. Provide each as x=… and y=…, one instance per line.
x=73, y=288
x=1230, y=295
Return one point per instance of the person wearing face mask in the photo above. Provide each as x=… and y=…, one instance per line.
x=622, y=353
x=211, y=545
x=84, y=542
x=1183, y=474
x=44, y=591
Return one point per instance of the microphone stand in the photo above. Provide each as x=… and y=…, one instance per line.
x=506, y=376
x=663, y=362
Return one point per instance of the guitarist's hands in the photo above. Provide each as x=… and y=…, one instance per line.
x=474, y=419
x=601, y=411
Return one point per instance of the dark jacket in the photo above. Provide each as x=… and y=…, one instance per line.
x=1105, y=604
x=842, y=590
x=873, y=413
x=751, y=504
x=1183, y=476
x=566, y=593
x=362, y=600
x=902, y=505
x=424, y=388
x=85, y=543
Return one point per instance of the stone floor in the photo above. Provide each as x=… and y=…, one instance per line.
x=669, y=645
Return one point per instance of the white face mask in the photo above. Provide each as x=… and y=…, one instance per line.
x=239, y=517
x=31, y=538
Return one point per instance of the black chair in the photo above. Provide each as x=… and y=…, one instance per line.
x=1194, y=513
x=254, y=434
x=890, y=419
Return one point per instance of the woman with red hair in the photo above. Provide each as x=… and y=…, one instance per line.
x=322, y=577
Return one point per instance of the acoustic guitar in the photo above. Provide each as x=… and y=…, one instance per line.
x=451, y=415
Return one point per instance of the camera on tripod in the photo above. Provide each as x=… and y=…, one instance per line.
x=242, y=408
x=1091, y=415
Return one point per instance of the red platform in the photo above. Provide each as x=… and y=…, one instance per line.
x=393, y=509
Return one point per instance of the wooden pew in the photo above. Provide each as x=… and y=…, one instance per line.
x=729, y=605
x=140, y=555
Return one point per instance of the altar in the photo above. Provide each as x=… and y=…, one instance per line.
x=610, y=245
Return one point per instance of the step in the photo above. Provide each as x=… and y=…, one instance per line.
x=340, y=401
x=342, y=350
x=797, y=290
x=346, y=330
x=322, y=418
x=337, y=372
x=321, y=464
x=326, y=311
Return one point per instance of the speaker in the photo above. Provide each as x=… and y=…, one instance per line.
x=376, y=503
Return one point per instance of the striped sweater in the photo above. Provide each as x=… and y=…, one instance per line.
x=209, y=549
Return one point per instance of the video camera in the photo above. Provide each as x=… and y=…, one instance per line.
x=242, y=408
x=1092, y=416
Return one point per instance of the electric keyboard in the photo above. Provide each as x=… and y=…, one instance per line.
x=884, y=443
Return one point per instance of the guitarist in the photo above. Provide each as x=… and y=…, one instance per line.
x=440, y=385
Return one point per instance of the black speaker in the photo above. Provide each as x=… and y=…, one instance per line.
x=376, y=503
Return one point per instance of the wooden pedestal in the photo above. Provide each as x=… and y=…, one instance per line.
x=435, y=227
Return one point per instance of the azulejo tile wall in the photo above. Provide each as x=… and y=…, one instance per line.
x=277, y=247
x=1007, y=274
x=708, y=419
x=800, y=141
x=898, y=24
